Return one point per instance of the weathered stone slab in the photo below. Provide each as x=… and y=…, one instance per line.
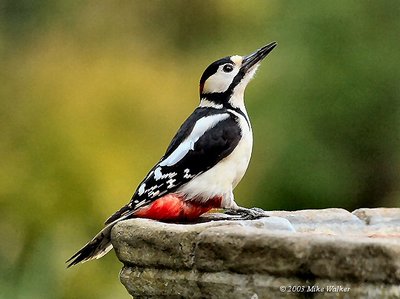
x=303, y=254
x=325, y=221
x=162, y=283
x=243, y=250
x=144, y=242
x=380, y=223
x=388, y=216
x=253, y=259
x=355, y=259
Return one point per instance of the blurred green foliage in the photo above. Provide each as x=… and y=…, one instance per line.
x=91, y=93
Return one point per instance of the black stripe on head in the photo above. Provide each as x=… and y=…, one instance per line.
x=211, y=70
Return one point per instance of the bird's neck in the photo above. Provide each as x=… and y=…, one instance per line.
x=215, y=100
x=204, y=102
x=237, y=101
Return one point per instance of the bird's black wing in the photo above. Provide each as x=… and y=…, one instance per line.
x=205, y=138
x=187, y=127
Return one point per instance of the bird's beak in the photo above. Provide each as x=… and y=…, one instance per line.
x=256, y=57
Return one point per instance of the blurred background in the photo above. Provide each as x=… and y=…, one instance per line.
x=92, y=92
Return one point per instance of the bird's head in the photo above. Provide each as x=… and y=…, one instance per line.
x=224, y=81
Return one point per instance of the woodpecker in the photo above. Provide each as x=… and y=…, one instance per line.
x=205, y=160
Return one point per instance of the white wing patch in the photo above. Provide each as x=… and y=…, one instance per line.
x=158, y=175
x=152, y=192
x=187, y=174
x=200, y=128
x=171, y=183
x=142, y=188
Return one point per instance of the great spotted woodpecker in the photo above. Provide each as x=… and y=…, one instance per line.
x=205, y=160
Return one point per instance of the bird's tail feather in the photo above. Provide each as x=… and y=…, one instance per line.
x=97, y=247
x=119, y=214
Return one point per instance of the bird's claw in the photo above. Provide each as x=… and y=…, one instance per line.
x=247, y=214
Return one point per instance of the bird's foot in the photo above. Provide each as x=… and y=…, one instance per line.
x=247, y=214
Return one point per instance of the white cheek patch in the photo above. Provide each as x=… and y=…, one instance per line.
x=220, y=81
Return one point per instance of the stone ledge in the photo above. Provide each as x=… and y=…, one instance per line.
x=330, y=247
x=156, y=283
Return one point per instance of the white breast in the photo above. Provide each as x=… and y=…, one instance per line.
x=221, y=179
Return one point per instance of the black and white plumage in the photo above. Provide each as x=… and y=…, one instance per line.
x=206, y=137
x=205, y=160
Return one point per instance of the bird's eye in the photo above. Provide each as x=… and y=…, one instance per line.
x=228, y=68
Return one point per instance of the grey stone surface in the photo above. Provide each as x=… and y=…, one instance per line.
x=253, y=259
x=157, y=283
